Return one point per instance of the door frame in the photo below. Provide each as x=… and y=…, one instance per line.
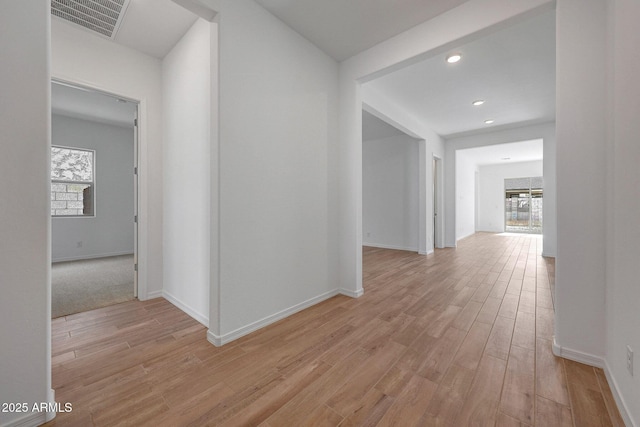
x=136, y=172
x=438, y=197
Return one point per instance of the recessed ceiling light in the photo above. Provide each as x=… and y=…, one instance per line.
x=488, y=122
x=478, y=102
x=453, y=58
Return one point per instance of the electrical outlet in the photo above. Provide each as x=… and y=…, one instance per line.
x=630, y=360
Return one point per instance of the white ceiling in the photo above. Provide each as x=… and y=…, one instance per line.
x=149, y=26
x=514, y=152
x=91, y=105
x=338, y=27
x=513, y=70
x=152, y=26
x=344, y=28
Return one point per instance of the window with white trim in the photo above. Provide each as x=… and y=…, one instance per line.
x=524, y=200
x=72, y=182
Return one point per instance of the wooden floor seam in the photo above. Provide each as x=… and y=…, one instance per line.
x=459, y=337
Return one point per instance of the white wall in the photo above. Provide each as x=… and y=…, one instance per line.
x=491, y=196
x=581, y=179
x=390, y=193
x=546, y=132
x=186, y=75
x=79, y=56
x=278, y=126
x=597, y=271
x=623, y=292
x=25, y=333
x=110, y=232
x=465, y=194
x=430, y=145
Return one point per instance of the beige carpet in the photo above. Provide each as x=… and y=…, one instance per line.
x=78, y=286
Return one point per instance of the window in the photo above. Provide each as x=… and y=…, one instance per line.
x=72, y=182
x=523, y=207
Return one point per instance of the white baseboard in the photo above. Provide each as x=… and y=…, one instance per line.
x=490, y=230
x=218, y=340
x=598, y=362
x=622, y=405
x=34, y=419
x=383, y=246
x=350, y=293
x=28, y=420
x=186, y=308
x=94, y=256
x=150, y=295
x=577, y=356
x=51, y=398
x=214, y=339
x=464, y=237
x=548, y=255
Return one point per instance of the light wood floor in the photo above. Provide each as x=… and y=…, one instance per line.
x=461, y=337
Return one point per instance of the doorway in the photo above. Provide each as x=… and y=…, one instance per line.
x=391, y=185
x=438, y=223
x=94, y=199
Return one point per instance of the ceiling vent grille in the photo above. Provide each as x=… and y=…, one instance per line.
x=101, y=16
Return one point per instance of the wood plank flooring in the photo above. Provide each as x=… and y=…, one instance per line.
x=457, y=338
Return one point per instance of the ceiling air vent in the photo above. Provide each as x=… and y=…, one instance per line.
x=101, y=16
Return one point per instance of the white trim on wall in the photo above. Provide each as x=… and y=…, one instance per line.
x=438, y=210
x=625, y=413
x=218, y=340
x=33, y=419
x=154, y=295
x=186, y=308
x=577, y=356
x=91, y=256
x=350, y=293
x=597, y=362
x=397, y=248
x=29, y=420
